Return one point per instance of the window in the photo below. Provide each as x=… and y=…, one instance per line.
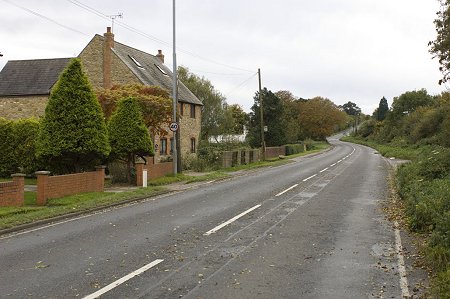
x=163, y=148
x=161, y=70
x=181, y=108
x=192, y=145
x=192, y=111
x=136, y=62
x=171, y=145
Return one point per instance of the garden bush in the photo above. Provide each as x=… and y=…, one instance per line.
x=292, y=149
x=18, y=146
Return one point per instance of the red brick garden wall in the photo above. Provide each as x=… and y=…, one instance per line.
x=63, y=185
x=273, y=152
x=12, y=193
x=156, y=170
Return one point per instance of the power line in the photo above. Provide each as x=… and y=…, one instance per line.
x=208, y=72
x=44, y=17
x=240, y=84
x=153, y=38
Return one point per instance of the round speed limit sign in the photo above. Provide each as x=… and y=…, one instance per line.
x=173, y=127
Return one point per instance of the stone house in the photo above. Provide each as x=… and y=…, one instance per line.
x=25, y=85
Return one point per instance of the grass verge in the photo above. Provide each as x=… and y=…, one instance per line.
x=188, y=179
x=13, y=216
x=408, y=153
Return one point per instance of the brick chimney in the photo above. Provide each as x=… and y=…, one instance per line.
x=160, y=55
x=108, y=44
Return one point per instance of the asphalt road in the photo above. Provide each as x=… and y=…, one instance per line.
x=309, y=229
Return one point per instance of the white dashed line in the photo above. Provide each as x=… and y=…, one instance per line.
x=334, y=164
x=122, y=280
x=308, y=178
x=325, y=169
x=288, y=189
x=230, y=221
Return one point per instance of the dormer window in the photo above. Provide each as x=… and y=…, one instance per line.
x=161, y=70
x=136, y=62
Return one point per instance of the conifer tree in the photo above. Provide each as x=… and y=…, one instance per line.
x=128, y=134
x=73, y=136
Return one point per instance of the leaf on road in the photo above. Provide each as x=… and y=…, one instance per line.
x=40, y=265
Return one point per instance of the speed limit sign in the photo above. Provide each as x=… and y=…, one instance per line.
x=173, y=127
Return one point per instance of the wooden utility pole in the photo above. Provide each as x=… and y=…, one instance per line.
x=263, y=143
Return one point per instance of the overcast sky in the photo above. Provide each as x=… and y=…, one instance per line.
x=345, y=50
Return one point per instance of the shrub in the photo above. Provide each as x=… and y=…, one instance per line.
x=8, y=163
x=25, y=133
x=292, y=149
x=18, y=146
x=128, y=134
x=367, y=128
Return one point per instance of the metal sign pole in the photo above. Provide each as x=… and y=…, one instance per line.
x=174, y=95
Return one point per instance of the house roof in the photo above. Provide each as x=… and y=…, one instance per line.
x=151, y=71
x=31, y=77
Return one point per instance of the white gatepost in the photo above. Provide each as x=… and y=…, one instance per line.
x=144, y=178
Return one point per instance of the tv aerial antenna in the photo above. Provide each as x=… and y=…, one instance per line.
x=113, y=17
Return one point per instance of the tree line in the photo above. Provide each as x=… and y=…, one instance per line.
x=415, y=118
x=289, y=119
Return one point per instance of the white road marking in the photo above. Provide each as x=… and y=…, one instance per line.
x=122, y=280
x=106, y=209
x=308, y=178
x=288, y=189
x=212, y=231
x=43, y=227
x=339, y=161
x=325, y=169
x=334, y=164
x=401, y=263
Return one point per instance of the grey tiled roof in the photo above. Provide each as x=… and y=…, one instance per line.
x=151, y=71
x=30, y=77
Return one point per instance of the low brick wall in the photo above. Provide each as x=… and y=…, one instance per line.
x=273, y=152
x=12, y=193
x=49, y=187
x=157, y=170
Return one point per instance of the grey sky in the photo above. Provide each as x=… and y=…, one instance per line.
x=345, y=50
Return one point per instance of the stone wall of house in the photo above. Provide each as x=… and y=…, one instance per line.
x=22, y=107
x=121, y=74
x=92, y=61
x=190, y=128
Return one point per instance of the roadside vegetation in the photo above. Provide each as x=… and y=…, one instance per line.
x=417, y=128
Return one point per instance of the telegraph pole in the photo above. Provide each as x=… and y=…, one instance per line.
x=263, y=143
x=175, y=97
